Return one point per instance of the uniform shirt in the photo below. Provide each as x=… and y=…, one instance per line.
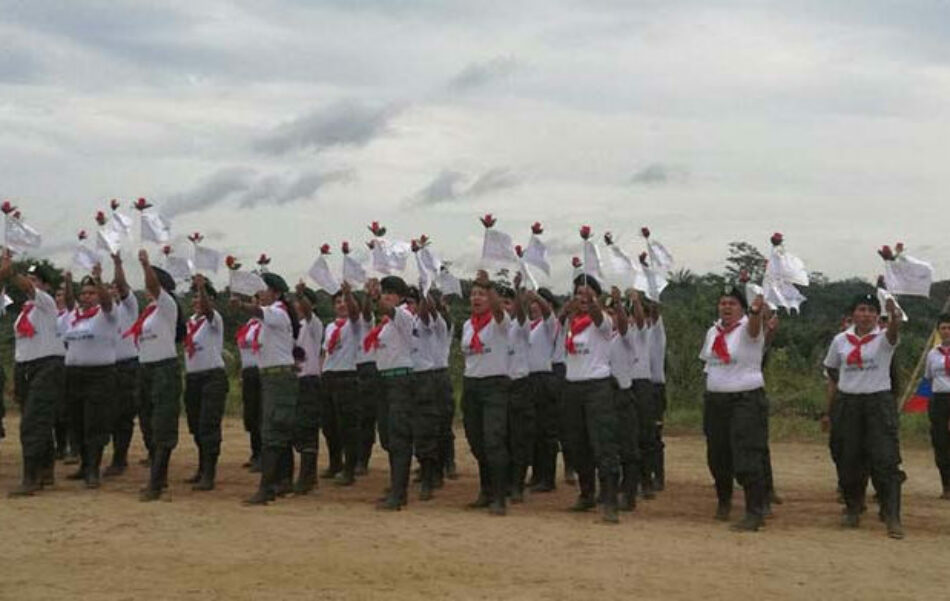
x=622, y=356
x=591, y=361
x=658, y=352
x=62, y=322
x=248, y=336
x=157, y=340
x=91, y=341
x=641, y=351
x=343, y=355
x=277, y=336
x=518, y=340
x=874, y=372
x=444, y=342
x=493, y=359
x=208, y=341
x=560, y=337
x=126, y=312
x=43, y=342
x=395, y=341
x=744, y=370
x=541, y=340
x=429, y=343
x=936, y=371
x=310, y=339
x=364, y=355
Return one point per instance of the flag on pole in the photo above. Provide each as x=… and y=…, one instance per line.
x=20, y=236
x=321, y=274
x=536, y=253
x=247, y=283
x=155, y=227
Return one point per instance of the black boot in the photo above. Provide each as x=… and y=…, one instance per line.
x=724, y=497
x=659, y=474
x=308, y=474
x=270, y=464
x=46, y=470
x=285, y=473
x=30, y=483
x=754, y=502
x=646, y=483
x=609, y=506
x=499, y=484
x=586, y=500
x=428, y=480
x=517, y=483
x=93, y=465
x=80, y=473
x=201, y=462
x=399, y=468
x=158, y=475
x=628, y=487
x=347, y=477
x=892, y=510
x=484, y=489
x=209, y=468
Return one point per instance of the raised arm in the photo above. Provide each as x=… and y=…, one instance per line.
x=594, y=308
x=205, y=308
x=894, y=319
x=19, y=280
x=622, y=322
x=252, y=309
x=372, y=294
x=639, y=315
x=755, y=317
x=69, y=296
x=120, y=281
x=105, y=297
x=152, y=284
x=352, y=308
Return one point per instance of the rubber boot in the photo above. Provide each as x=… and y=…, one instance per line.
x=270, y=464
x=892, y=510
x=347, y=477
x=484, y=489
x=586, y=499
x=308, y=474
x=724, y=498
x=93, y=465
x=659, y=479
x=428, y=480
x=628, y=487
x=646, y=484
x=499, y=482
x=399, y=468
x=209, y=468
x=609, y=506
x=80, y=473
x=158, y=475
x=46, y=470
x=754, y=501
x=201, y=462
x=30, y=482
x=517, y=483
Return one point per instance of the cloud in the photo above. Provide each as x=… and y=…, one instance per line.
x=344, y=123
x=284, y=189
x=658, y=174
x=480, y=74
x=451, y=185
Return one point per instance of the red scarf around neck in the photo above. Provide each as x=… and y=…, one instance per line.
x=479, y=322
x=334, y=340
x=372, y=339
x=579, y=323
x=241, y=337
x=192, y=328
x=945, y=351
x=24, y=327
x=79, y=315
x=854, y=357
x=719, y=347
x=136, y=330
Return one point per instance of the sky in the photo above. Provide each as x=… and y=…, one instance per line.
x=277, y=125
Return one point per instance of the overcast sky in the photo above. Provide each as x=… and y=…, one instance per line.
x=279, y=125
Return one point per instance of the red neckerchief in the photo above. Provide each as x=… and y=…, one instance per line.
x=192, y=328
x=335, y=336
x=372, y=339
x=24, y=327
x=252, y=324
x=84, y=315
x=945, y=351
x=479, y=321
x=136, y=330
x=854, y=357
x=536, y=323
x=579, y=323
x=719, y=346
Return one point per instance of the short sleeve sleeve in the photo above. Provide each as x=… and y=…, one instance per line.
x=275, y=317
x=833, y=359
x=167, y=306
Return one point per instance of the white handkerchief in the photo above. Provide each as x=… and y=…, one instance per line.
x=207, y=259
x=21, y=236
x=786, y=266
x=660, y=258
x=429, y=260
x=781, y=293
x=650, y=282
x=155, y=228
x=497, y=247
x=179, y=268
x=526, y=276
x=321, y=274
x=449, y=284
x=425, y=277
x=907, y=275
x=108, y=240
x=591, y=260
x=121, y=223
x=85, y=258
x=246, y=283
x=537, y=254
x=353, y=270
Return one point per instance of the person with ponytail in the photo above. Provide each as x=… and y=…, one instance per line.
x=206, y=383
x=937, y=371
x=90, y=338
x=311, y=400
x=588, y=408
x=127, y=371
x=866, y=428
x=38, y=372
x=279, y=387
x=485, y=392
x=735, y=410
x=248, y=340
x=156, y=331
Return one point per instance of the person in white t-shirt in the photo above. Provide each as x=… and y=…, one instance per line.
x=521, y=414
x=248, y=340
x=312, y=405
x=280, y=389
x=866, y=426
x=622, y=360
x=156, y=332
x=206, y=382
x=542, y=338
x=445, y=393
x=937, y=370
x=485, y=392
x=126, y=372
x=588, y=409
x=38, y=372
x=658, y=376
x=367, y=375
x=341, y=342
x=644, y=393
x=67, y=450
x=735, y=410
x=90, y=337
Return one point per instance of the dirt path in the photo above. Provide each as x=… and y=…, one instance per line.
x=70, y=543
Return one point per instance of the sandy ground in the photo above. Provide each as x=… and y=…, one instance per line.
x=71, y=543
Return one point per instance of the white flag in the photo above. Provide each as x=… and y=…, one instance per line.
x=660, y=258
x=753, y=290
x=390, y=256
x=784, y=266
x=425, y=277
x=537, y=254
x=121, y=223
x=651, y=282
x=85, y=258
x=591, y=260
x=21, y=236
x=883, y=296
x=155, y=228
x=621, y=265
x=782, y=293
x=907, y=275
x=353, y=270
x=108, y=241
x=321, y=274
x=497, y=247
x=207, y=259
x=429, y=260
x=247, y=283
x=526, y=276
x=179, y=268
x=448, y=283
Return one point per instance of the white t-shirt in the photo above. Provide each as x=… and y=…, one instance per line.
x=443, y=335
x=62, y=323
x=622, y=357
x=208, y=342
x=518, y=340
x=641, y=351
x=44, y=341
x=560, y=336
x=744, y=370
x=126, y=312
x=277, y=336
x=428, y=343
x=310, y=339
x=658, y=352
x=91, y=341
x=936, y=371
x=591, y=361
x=248, y=337
x=395, y=341
x=364, y=355
x=874, y=373
x=493, y=359
x=343, y=355
x=541, y=340
x=157, y=341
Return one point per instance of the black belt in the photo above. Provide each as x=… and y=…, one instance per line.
x=127, y=362
x=40, y=361
x=332, y=375
x=162, y=363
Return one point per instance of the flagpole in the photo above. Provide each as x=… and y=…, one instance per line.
x=921, y=362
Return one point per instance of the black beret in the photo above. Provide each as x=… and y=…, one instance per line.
x=737, y=294
x=87, y=281
x=589, y=281
x=393, y=284
x=413, y=293
x=506, y=291
x=866, y=299
x=43, y=272
x=310, y=295
x=547, y=295
x=274, y=282
x=165, y=279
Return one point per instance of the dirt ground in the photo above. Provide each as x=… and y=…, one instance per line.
x=69, y=542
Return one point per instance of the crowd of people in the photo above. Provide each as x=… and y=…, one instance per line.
x=585, y=378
